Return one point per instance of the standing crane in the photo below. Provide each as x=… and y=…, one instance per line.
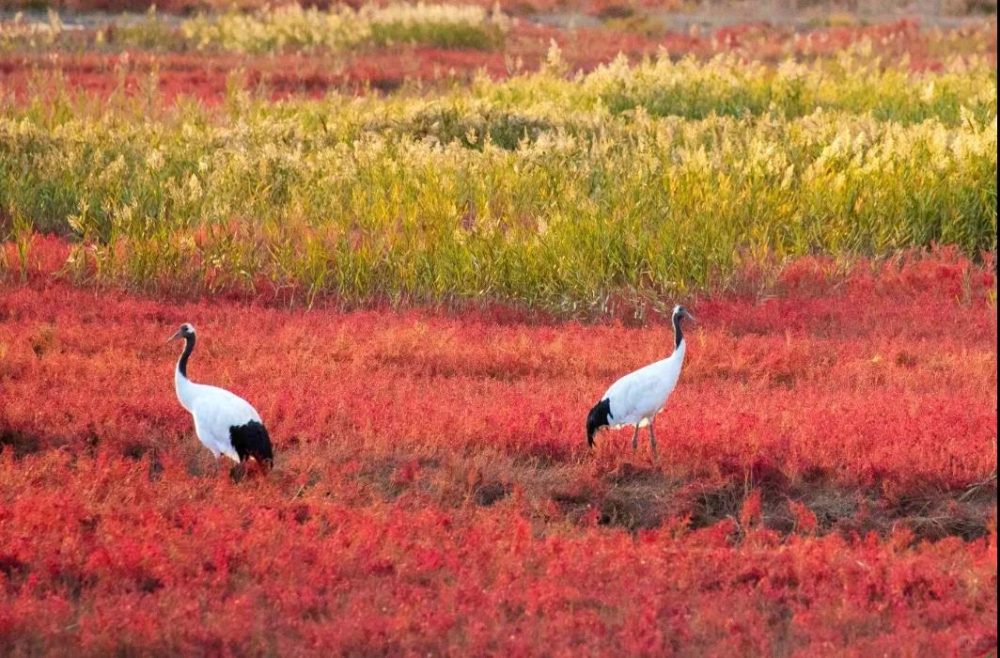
x=636, y=398
x=225, y=423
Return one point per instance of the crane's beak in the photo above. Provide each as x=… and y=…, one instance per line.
x=175, y=336
x=691, y=317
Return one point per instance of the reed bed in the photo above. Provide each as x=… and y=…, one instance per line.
x=271, y=29
x=546, y=189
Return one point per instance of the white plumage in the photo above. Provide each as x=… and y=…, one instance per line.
x=225, y=423
x=636, y=398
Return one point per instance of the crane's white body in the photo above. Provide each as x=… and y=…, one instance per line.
x=215, y=411
x=636, y=398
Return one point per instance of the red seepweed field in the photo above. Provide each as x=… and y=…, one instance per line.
x=422, y=239
x=826, y=486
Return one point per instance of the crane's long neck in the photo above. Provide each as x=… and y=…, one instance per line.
x=183, y=385
x=678, y=332
x=182, y=364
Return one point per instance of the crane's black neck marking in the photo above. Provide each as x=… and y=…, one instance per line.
x=182, y=365
x=678, y=333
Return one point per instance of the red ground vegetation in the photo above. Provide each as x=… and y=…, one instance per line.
x=204, y=75
x=827, y=482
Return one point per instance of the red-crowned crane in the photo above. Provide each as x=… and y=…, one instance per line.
x=636, y=398
x=225, y=423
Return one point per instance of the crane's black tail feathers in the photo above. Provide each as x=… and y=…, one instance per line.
x=252, y=440
x=597, y=418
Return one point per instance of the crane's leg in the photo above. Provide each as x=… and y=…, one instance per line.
x=652, y=441
x=635, y=438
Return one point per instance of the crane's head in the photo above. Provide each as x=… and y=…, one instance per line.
x=186, y=331
x=681, y=313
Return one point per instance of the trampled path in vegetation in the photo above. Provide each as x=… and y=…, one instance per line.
x=433, y=483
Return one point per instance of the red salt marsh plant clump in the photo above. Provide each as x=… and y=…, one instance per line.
x=892, y=377
x=827, y=481
x=102, y=558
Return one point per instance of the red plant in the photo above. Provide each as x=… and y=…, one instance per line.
x=827, y=483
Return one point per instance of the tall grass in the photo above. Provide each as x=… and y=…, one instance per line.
x=341, y=28
x=855, y=81
x=540, y=190
x=270, y=30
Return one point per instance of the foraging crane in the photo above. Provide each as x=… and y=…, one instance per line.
x=225, y=423
x=636, y=398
